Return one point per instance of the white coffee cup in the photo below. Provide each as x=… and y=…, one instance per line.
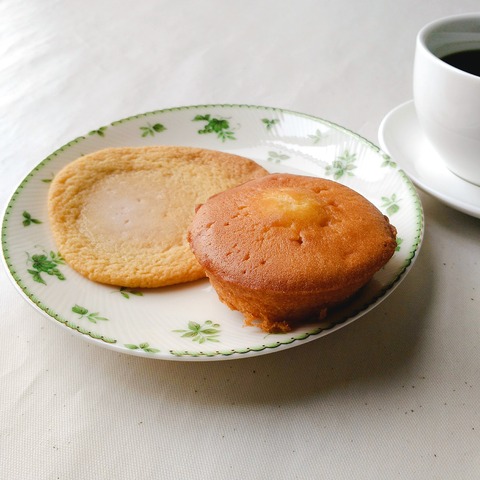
x=447, y=99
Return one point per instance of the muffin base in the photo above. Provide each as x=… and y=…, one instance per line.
x=280, y=311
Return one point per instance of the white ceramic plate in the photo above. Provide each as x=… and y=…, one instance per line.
x=188, y=322
x=401, y=135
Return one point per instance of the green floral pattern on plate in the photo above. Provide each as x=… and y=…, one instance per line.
x=277, y=157
x=92, y=317
x=344, y=164
x=47, y=180
x=399, y=244
x=270, y=122
x=176, y=320
x=318, y=136
x=208, y=332
x=29, y=220
x=127, y=292
x=391, y=204
x=45, y=263
x=218, y=126
x=145, y=347
x=151, y=130
x=388, y=162
x=100, y=131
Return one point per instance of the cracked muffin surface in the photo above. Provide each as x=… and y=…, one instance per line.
x=285, y=248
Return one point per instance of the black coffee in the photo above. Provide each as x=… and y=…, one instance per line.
x=468, y=61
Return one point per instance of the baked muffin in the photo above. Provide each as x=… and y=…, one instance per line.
x=120, y=215
x=284, y=248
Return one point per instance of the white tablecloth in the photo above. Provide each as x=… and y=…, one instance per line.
x=392, y=395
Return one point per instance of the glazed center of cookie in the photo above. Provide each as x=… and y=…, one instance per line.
x=134, y=207
x=288, y=206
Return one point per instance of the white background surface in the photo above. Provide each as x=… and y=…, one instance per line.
x=393, y=395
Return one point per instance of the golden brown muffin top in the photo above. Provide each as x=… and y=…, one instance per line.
x=284, y=232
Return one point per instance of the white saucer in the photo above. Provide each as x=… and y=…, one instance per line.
x=401, y=136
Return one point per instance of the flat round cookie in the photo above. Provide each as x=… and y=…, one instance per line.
x=120, y=216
